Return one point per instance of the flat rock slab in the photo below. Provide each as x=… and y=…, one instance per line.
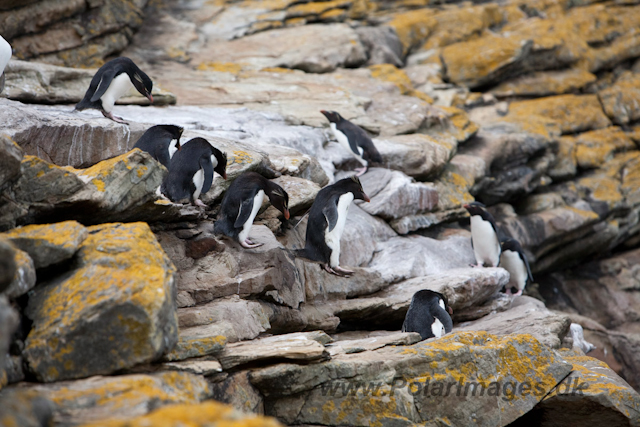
x=548, y=327
x=50, y=243
x=410, y=383
x=359, y=341
x=198, y=367
x=417, y=155
x=463, y=287
x=301, y=346
x=121, y=290
x=194, y=342
x=120, y=397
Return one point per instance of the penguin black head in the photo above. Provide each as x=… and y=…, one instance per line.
x=332, y=116
x=352, y=185
x=509, y=244
x=174, y=131
x=221, y=167
x=141, y=81
x=475, y=208
x=278, y=198
x=436, y=296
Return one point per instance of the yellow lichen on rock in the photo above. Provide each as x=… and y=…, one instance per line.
x=413, y=27
x=390, y=73
x=207, y=414
x=122, y=290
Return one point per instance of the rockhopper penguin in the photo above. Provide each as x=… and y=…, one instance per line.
x=161, y=141
x=429, y=314
x=327, y=218
x=514, y=260
x=113, y=80
x=191, y=171
x=355, y=139
x=241, y=204
x=5, y=56
x=484, y=236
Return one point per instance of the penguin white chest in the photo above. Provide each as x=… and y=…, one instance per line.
x=332, y=237
x=120, y=85
x=511, y=261
x=246, y=227
x=173, y=147
x=5, y=54
x=437, y=328
x=344, y=141
x=198, y=181
x=486, y=246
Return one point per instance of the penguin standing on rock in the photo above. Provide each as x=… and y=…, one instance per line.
x=114, y=79
x=5, y=56
x=191, y=171
x=327, y=218
x=355, y=139
x=242, y=202
x=514, y=260
x=484, y=236
x=429, y=314
x=161, y=141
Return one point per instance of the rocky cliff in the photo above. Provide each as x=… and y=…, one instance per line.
x=120, y=308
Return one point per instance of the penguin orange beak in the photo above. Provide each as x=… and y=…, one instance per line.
x=286, y=214
x=466, y=206
x=150, y=98
x=366, y=198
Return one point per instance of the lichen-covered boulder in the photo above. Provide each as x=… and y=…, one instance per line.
x=25, y=408
x=9, y=321
x=25, y=277
x=498, y=378
x=50, y=243
x=207, y=414
x=10, y=158
x=121, y=397
x=114, y=310
x=8, y=266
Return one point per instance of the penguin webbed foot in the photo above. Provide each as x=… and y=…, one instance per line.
x=360, y=171
x=249, y=244
x=199, y=202
x=114, y=118
x=338, y=271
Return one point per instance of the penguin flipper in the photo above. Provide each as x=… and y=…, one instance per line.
x=354, y=134
x=105, y=81
x=207, y=166
x=331, y=216
x=526, y=263
x=442, y=315
x=163, y=157
x=245, y=212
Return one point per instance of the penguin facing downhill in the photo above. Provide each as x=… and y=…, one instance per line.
x=161, y=141
x=241, y=204
x=514, y=260
x=484, y=236
x=191, y=171
x=355, y=139
x=429, y=314
x=113, y=80
x=327, y=218
x=5, y=56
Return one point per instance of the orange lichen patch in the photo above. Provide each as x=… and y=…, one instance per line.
x=205, y=414
x=453, y=189
x=448, y=29
x=66, y=234
x=360, y=9
x=621, y=101
x=278, y=70
x=390, y=73
x=545, y=83
x=196, y=346
x=121, y=267
x=221, y=67
x=295, y=22
x=316, y=8
x=460, y=121
x=413, y=27
x=474, y=61
x=239, y=157
x=572, y=113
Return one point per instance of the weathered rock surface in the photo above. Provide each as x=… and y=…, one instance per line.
x=407, y=379
x=20, y=407
x=49, y=244
x=24, y=278
x=416, y=155
x=593, y=383
x=204, y=414
x=97, y=399
x=122, y=290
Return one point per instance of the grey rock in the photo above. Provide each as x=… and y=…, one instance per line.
x=547, y=327
x=382, y=45
x=9, y=321
x=311, y=48
x=198, y=367
x=8, y=267
x=23, y=407
x=237, y=391
x=25, y=277
x=196, y=342
x=359, y=341
x=10, y=158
